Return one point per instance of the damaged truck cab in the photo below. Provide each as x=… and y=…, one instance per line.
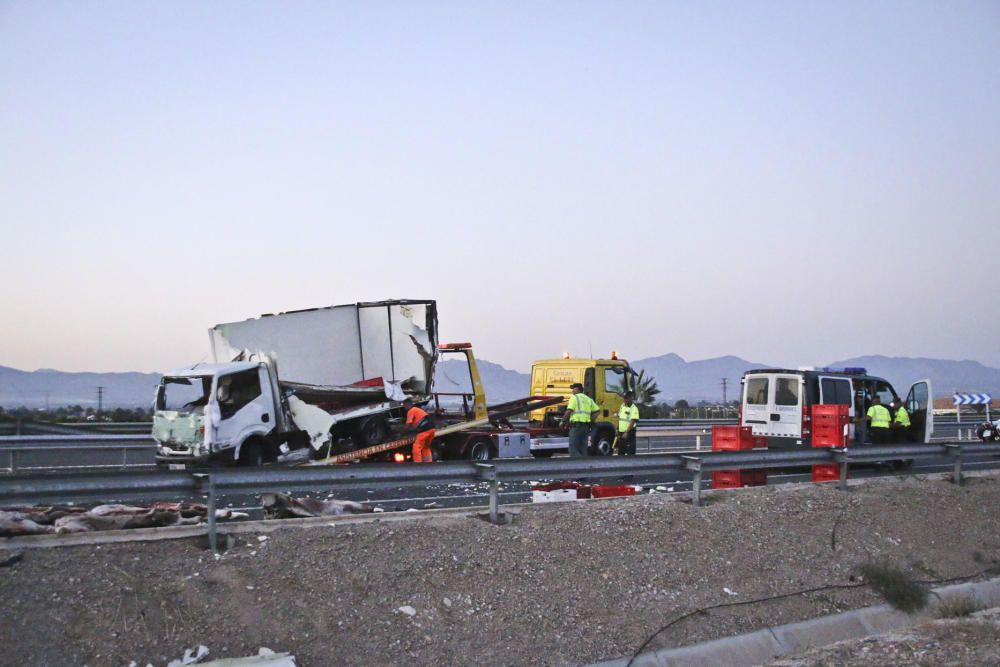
x=313, y=381
x=218, y=411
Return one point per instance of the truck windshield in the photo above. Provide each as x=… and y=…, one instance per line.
x=189, y=394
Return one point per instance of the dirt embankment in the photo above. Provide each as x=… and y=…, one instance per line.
x=565, y=584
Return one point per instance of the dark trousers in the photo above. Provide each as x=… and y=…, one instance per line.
x=626, y=444
x=579, y=439
x=881, y=436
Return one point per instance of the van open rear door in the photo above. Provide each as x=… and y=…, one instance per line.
x=919, y=404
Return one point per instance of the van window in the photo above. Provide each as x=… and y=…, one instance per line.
x=757, y=391
x=786, y=391
x=836, y=392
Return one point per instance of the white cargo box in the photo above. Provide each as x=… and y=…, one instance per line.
x=340, y=345
x=557, y=496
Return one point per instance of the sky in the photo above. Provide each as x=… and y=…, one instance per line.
x=789, y=182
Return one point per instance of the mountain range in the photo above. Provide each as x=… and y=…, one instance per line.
x=694, y=381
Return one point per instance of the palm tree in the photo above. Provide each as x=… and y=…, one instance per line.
x=644, y=391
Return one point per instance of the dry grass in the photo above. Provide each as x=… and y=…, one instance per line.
x=957, y=606
x=895, y=586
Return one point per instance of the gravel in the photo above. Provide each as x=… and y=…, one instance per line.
x=565, y=584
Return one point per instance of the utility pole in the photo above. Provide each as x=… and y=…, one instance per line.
x=100, y=400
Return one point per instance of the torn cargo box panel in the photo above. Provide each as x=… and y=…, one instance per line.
x=340, y=345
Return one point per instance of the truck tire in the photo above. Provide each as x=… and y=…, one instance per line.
x=543, y=454
x=480, y=449
x=370, y=431
x=251, y=454
x=601, y=443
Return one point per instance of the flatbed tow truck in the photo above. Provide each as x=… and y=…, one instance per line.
x=476, y=431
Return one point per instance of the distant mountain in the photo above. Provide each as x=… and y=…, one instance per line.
x=55, y=388
x=946, y=376
x=695, y=380
x=501, y=384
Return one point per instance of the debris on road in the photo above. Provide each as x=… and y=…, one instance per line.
x=15, y=521
x=283, y=506
x=190, y=657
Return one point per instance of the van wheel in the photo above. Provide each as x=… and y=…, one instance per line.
x=602, y=442
x=251, y=454
x=480, y=449
x=371, y=431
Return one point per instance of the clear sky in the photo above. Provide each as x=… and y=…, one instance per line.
x=790, y=182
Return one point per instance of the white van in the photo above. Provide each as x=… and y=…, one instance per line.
x=773, y=401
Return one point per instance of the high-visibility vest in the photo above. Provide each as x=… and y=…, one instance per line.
x=581, y=405
x=902, y=416
x=626, y=413
x=880, y=416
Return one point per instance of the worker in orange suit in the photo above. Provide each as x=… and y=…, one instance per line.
x=418, y=420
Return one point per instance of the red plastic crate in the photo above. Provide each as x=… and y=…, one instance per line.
x=731, y=438
x=826, y=472
x=823, y=410
x=735, y=479
x=829, y=437
x=607, y=491
x=582, y=490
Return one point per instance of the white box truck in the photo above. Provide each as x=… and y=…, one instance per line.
x=319, y=379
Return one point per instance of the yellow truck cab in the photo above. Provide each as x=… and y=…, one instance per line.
x=604, y=380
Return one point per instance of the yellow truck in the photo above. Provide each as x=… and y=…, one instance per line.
x=604, y=380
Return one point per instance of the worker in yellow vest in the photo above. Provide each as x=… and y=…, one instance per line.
x=901, y=423
x=581, y=411
x=628, y=421
x=879, y=420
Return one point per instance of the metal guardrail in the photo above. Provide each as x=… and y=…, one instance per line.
x=89, y=487
x=34, y=452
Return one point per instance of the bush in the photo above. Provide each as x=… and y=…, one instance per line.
x=895, y=586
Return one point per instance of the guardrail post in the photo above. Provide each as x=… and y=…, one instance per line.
x=693, y=463
x=488, y=472
x=840, y=456
x=205, y=484
x=955, y=451
x=13, y=462
x=697, y=442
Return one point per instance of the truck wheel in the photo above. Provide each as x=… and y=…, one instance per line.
x=251, y=454
x=601, y=445
x=480, y=449
x=543, y=454
x=371, y=431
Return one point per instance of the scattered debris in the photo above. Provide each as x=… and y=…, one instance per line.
x=12, y=560
x=408, y=610
x=191, y=656
x=283, y=506
x=729, y=591
x=42, y=520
